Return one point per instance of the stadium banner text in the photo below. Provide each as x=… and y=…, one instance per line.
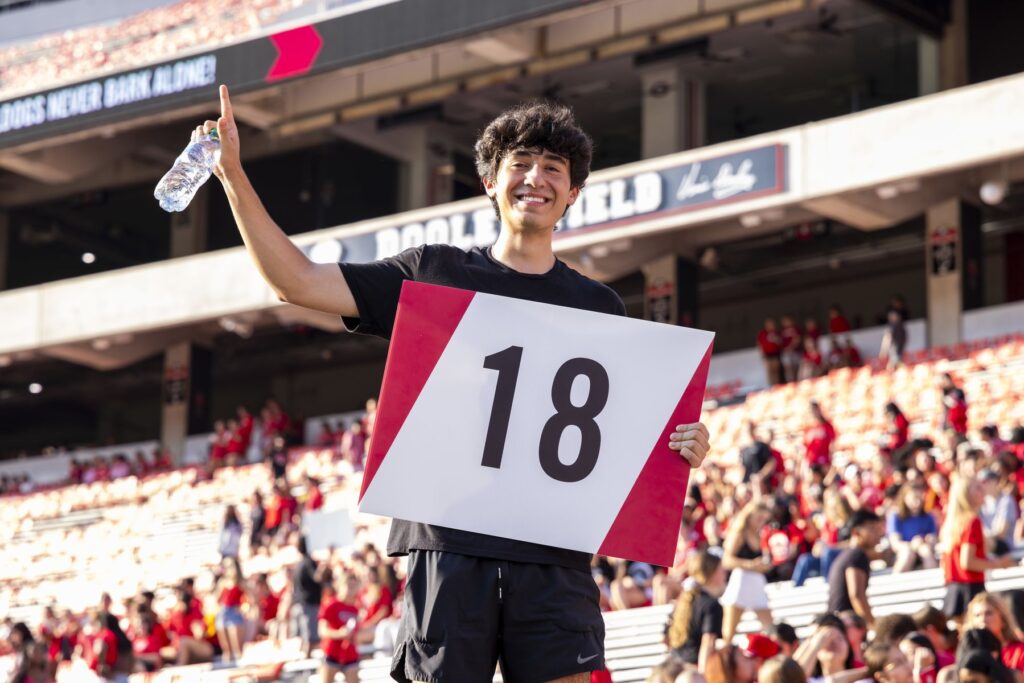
x=605, y=204
x=365, y=32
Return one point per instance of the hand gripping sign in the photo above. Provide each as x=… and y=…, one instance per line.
x=535, y=422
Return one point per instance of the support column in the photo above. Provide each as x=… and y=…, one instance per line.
x=953, y=47
x=674, y=110
x=929, y=65
x=671, y=290
x=186, y=396
x=185, y=404
x=954, y=264
x=188, y=228
x=428, y=168
x=5, y=245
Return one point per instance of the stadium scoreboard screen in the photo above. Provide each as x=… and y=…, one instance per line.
x=355, y=37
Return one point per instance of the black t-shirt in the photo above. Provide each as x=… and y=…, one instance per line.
x=754, y=457
x=838, y=595
x=376, y=286
x=306, y=590
x=705, y=617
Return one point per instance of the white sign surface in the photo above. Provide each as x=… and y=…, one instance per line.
x=535, y=422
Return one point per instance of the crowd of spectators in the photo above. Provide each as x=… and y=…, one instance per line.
x=791, y=353
x=947, y=497
x=336, y=600
x=918, y=504
x=142, y=38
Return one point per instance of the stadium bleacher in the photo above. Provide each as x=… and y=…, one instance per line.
x=68, y=544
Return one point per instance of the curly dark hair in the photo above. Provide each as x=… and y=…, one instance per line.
x=535, y=125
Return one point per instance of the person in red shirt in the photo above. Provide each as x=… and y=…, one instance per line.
x=792, y=346
x=337, y=624
x=811, y=364
x=230, y=622
x=989, y=611
x=281, y=509
x=314, y=499
x=837, y=322
x=99, y=646
x=245, y=425
x=375, y=603
x=267, y=601
x=770, y=342
x=851, y=355
x=234, y=450
x=818, y=438
x=965, y=562
x=955, y=401
x=218, y=444
x=149, y=637
x=898, y=430
x=812, y=330
x=187, y=631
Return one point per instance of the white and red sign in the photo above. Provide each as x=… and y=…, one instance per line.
x=535, y=422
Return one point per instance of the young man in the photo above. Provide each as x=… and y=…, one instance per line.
x=849, y=574
x=471, y=600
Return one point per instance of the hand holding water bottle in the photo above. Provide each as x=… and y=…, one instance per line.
x=227, y=131
x=213, y=149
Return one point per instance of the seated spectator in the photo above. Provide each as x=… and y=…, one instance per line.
x=742, y=662
x=955, y=418
x=781, y=669
x=912, y=531
x=785, y=635
x=187, y=631
x=826, y=652
x=812, y=330
x=148, y=638
x=851, y=354
x=988, y=611
x=934, y=625
x=218, y=447
x=886, y=663
x=30, y=661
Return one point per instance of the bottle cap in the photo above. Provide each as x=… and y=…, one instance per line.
x=213, y=134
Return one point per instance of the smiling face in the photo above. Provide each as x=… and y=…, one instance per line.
x=532, y=189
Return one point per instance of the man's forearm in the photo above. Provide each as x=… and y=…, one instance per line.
x=278, y=260
x=863, y=609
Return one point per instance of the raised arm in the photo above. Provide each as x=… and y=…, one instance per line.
x=292, y=276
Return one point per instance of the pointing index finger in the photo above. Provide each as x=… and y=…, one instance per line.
x=225, y=103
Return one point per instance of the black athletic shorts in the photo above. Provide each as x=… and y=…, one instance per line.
x=463, y=615
x=958, y=595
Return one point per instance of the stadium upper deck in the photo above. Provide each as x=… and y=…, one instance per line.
x=745, y=160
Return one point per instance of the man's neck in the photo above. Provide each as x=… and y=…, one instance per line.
x=525, y=253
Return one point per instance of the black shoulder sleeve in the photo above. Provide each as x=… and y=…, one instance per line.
x=375, y=287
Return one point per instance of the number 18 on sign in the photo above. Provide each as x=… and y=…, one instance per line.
x=535, y=422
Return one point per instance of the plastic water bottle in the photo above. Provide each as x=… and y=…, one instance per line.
x=191, y=169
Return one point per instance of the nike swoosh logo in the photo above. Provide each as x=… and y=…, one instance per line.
x=580, y=659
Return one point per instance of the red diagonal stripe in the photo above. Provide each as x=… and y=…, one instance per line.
x=647, y=525
x=426, y=319
x=297, y=50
